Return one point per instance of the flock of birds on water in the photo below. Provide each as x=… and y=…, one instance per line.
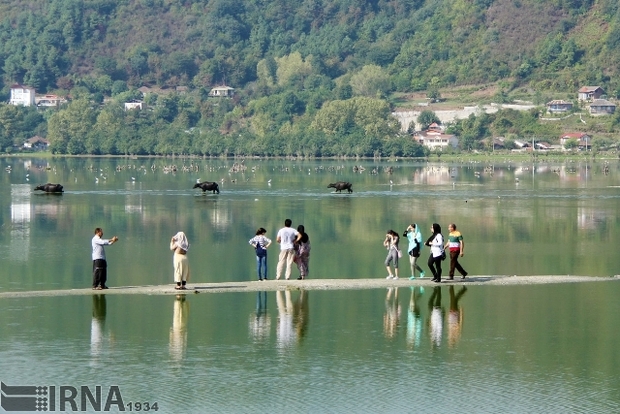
x=241, y=167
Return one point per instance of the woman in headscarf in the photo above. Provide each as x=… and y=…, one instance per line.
x=180, y=245
x=302, y=252
x=414, y=236
x=435, y=242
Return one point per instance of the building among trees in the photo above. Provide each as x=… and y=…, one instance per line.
x=22, y=95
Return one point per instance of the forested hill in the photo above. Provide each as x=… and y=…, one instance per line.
x=312, y=77
x=564, y=43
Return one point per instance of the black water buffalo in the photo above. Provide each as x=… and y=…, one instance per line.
x=341, y=185
x=49, y=188
x=208, y=186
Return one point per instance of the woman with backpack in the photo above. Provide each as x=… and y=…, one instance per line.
x=260, y=244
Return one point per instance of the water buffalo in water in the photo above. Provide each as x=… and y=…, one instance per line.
x=49, y=188
x=341, y=185
x=208, y=186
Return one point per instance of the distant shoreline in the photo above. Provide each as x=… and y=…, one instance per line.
x=309, y=284
x=537, y=156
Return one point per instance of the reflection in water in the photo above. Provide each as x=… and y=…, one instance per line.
x=285, y=333
x=301, y=313
x=392, y=313
x=435, y=321
x=455, y=317
x=20, y=220
x=96, y=326
x=178, y=331
x=414, y=319
x=260, y=322
x=292, y=317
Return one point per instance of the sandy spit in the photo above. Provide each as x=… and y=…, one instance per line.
x=310, y=284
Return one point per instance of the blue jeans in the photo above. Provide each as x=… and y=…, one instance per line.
x=261, y=263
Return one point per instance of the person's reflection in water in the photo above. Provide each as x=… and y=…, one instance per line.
x=285, y=332
x=392, y=313
x=301, y=314
x=455, y=317
x=97, y=335
x=435, y=321
x=260, y=322
x=414, y=320
x=178, y=331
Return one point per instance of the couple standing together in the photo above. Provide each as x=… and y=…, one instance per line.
x=294, y=247
x=435, y=242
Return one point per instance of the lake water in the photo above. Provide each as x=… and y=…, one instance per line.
x=522, y=349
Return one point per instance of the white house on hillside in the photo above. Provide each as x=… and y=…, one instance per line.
x=222, y=91
x=22, y=95
x=134, y=104
x=435, y=139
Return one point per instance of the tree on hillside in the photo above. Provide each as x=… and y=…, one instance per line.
x=292, y=70
x=371, y=81
x=426, y=118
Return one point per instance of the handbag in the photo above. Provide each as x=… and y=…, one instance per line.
x=443, y=255
x=400, y=253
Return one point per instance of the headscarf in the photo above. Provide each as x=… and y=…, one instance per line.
x=181, y=241
x=417, y=235
x=436, y=231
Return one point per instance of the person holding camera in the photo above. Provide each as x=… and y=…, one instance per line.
x=100, y=265
x=414, y=235
x=391, y=243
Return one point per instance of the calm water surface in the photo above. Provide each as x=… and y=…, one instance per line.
x=523, y=349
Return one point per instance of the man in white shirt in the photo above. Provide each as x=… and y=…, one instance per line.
x=100, y=266
x=287, y=237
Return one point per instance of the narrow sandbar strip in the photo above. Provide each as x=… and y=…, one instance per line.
x=309, y=284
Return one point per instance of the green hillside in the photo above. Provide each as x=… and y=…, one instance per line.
x=318, y=73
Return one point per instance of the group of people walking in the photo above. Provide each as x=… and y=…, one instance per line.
x=437, y=245
x=294, y=248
